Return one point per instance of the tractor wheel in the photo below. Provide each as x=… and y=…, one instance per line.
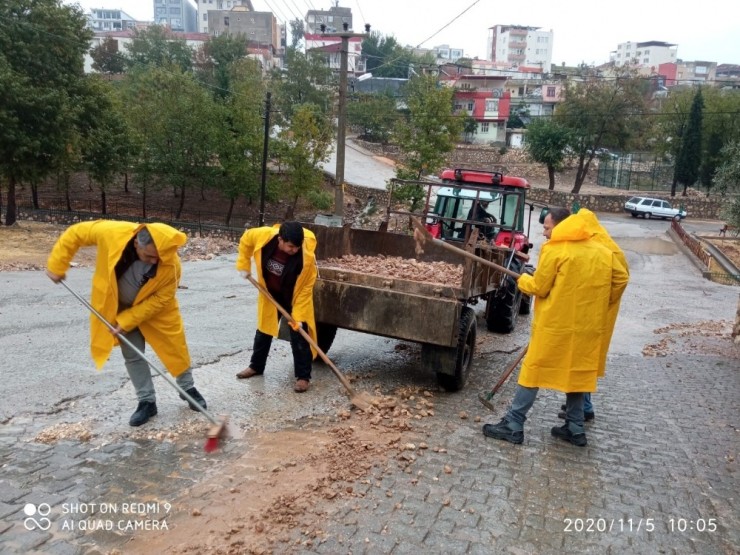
x=463, y=354
x=503, y=306
x=325, y=334
x=526, y=305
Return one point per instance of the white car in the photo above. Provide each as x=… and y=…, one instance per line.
x=652, y=208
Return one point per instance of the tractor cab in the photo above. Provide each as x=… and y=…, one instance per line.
x=489, y=204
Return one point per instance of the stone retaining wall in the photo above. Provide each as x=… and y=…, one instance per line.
x=701, y=208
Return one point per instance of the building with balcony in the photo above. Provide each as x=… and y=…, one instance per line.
x=485, y=99
x=106, y=19
x=518, y=45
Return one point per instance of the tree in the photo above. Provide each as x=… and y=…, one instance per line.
x=240, y=151
x=386, y=58
x=727, y=179
x=307, y=80
x=470, y=126
x=602, y=113
x=688, y=161
x=547, y=141
x=42, y=45
x=304, y=145
x=214, y=61
x=428, y=132
x=106, y=143
x=297, y=31
x=519, y=117
x=373, y=114
x=178, y=128
x=107, y=59
x=157, y=46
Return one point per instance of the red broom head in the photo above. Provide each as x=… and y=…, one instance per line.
x=211, y=444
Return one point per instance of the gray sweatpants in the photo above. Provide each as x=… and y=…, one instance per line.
x=139, y=372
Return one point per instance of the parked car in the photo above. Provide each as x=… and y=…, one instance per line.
x=652, y=208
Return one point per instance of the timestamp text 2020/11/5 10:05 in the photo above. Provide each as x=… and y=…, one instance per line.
x=638, y=524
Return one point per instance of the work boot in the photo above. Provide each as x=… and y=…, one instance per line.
x=564, y=433
x=503, y=430
x=195, y=394
x=301, y=386
x=144, y=411
x=587, y=416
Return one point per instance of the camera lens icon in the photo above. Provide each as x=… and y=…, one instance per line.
x=42, y=510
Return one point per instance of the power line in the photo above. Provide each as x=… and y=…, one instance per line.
x=448, y=24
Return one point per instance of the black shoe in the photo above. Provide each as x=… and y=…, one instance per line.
x=563, y=432
x=502, y=431
x=195, y=394
x=587, y=416
x=144, y=411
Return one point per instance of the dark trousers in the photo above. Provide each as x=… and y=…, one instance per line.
x=301, y=353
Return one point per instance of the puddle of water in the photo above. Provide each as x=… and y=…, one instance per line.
x=647, y=245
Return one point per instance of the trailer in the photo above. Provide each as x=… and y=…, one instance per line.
x=438, y=316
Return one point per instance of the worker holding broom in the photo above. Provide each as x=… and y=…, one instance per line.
x=576, y=282
x=286, y=267
x=137, y=272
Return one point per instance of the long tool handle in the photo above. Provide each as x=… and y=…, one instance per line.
x=462, y=252
x=159, y=371
x=508, y=372
x=262, y=289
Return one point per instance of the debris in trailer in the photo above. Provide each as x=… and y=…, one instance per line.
x=398, y=267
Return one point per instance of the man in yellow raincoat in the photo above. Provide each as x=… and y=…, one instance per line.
x=137, y=272
x=576, y=282
x=286, y=266
x=602, y=236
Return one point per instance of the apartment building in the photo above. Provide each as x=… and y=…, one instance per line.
x=179, y=15
x=205, y=6
x=260, y=29
x=106, y=19
x=485, y=99
x=334, y=19
x=518, y=45
x=645, y=54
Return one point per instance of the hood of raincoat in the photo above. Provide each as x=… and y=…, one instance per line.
x=167, y=239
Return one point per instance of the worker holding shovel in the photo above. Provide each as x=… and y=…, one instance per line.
x=576, y=282
x=137, y=272
x=286, y=268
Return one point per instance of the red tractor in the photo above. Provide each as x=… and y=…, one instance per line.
x=488, y=206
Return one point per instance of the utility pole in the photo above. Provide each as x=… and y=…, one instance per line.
x=345, y=35
x=264, y=159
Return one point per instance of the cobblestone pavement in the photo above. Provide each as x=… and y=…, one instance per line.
x=659, y=474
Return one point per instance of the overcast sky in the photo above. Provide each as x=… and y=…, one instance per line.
x=584, y=30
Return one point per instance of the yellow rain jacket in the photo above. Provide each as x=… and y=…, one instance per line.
x=601, y=235
x=250, y=245
x=576, y=281
x=155, y=310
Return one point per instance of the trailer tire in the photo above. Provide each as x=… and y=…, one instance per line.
x=503, y=307
x=325, y=334
x=464, y=353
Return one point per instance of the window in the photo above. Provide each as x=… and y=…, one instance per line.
x=226, y=21
x=205, y=16
x=491, y=105
x=550, y=92
x=484, y=127
x=471, y=106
